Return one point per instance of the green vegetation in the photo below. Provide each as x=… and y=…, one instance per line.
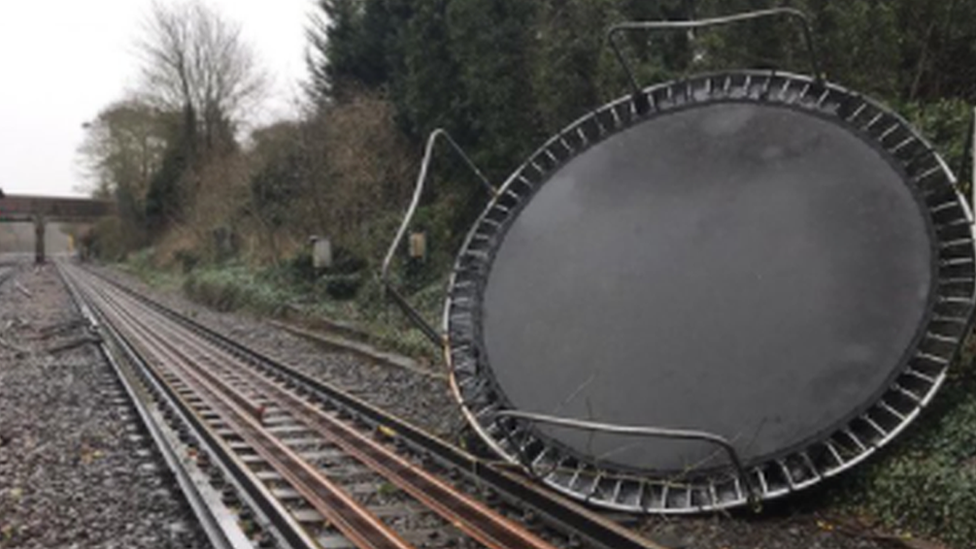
x=228, y=219
x=293, y=291
x=926, y=482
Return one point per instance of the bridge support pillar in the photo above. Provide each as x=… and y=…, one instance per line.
x=39, y=231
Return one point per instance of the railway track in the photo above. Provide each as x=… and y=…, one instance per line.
x=269, y=457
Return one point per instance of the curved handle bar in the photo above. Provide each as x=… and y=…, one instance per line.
x=694, y=24
x=414, y=315
x=654, y=432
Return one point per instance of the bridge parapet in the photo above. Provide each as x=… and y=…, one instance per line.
x=25, y=207
x=41, y=209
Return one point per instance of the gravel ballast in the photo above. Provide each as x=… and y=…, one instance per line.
x=76, y=469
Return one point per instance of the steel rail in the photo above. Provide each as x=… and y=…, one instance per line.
x=472, y=517
x=211, y=524
x=252, y=491
x=353, y=520
x=475, y=519
x=558, y=512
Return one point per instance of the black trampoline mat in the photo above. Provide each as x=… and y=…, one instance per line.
x=745, y=269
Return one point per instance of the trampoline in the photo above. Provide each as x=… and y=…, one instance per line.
x=709, y=292
x=755, y=255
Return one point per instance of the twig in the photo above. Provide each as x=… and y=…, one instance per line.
x=23, y=290
x=74, y=344
x=57, y=329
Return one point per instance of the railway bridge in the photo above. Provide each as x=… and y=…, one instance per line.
x=41, y=210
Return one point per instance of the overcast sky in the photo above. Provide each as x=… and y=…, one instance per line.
x=61, y=61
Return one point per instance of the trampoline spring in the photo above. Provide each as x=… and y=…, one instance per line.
x=616, y=116
x=902, y=145
x=953, y=299
x=942, y=338
x=874, y=425
x=957, y=280
x=823, y=97
x=877, y=118
x=889, y=131
x=576, y=475
x=616, y=490
x=490, y=409
x=944, y=206
x=594, y=487
x=928, y=173
x=522, y=179
x=601, y=129
x=479, y=255
x=857, y=112
x=920, y=375
x=784, y=88
x=909, y=394
x=856, y=440
x=737, y=488
x=540, y=457
x=950, y=319
x=551, y=156
x=582, y=135
x=805, y=90
x=809, y=462
x=936, y=359
x=955, y=244
x=786, y=473
x=763, y=483
x=836, y=454
x=949, y=224
x=570, y=151
x=918, y=156
x=887, y=408
x=465, y=383
x=641, y=491
x=633, y=107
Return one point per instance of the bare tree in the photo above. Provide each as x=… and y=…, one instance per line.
x=196, y=61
